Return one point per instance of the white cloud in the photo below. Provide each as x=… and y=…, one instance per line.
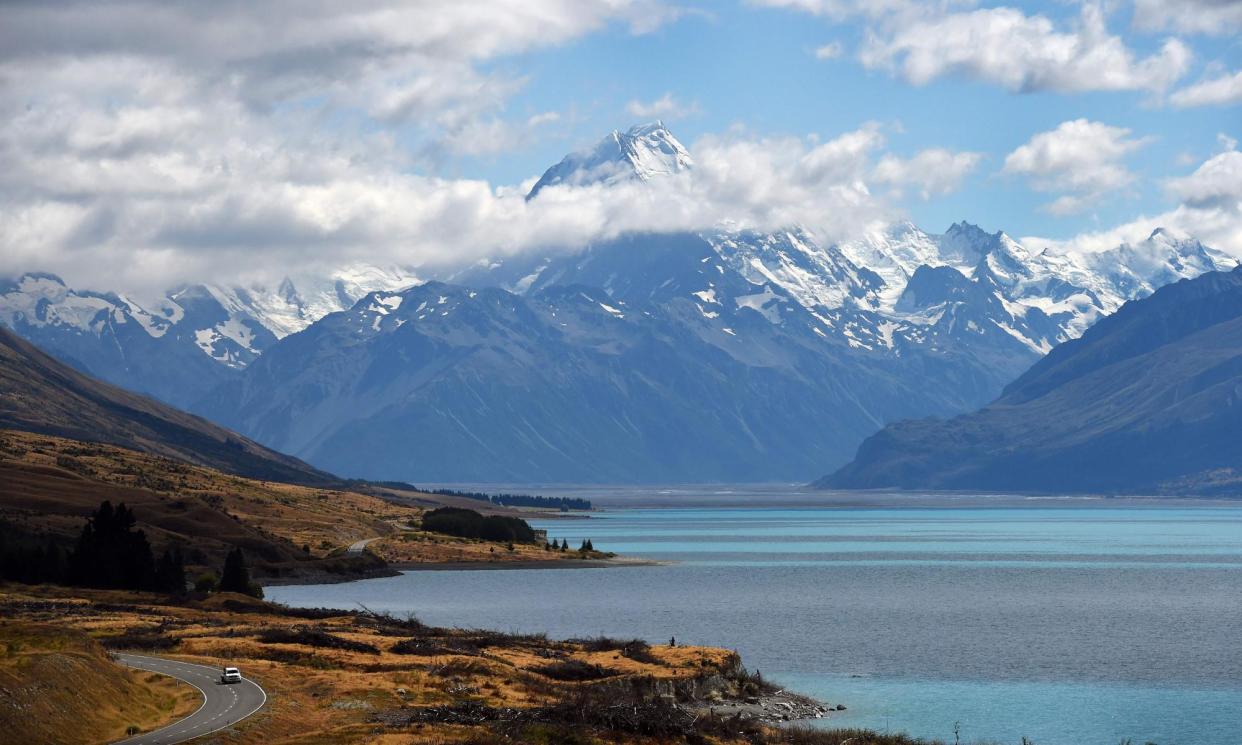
x=152, y=142
x=1215, y=184
x=142, y=197
x=664, y=107
x=1217, y=17
x=841, y=10
x=831, y=50
x=1226, y=89
x=412, y=65
x=1082, y=157
x=1210, y=209
x=1023, y=53
x=934, y=172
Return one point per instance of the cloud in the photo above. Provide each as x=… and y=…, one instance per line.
x=130, y=199
x=664, y=107
x=1209, y=208
x=1023, y=53
x=1215, y=184
x=1224, y=90
x=403, y=65
x=1079, y=156
x=832, y=50
x=934, y=172
x=152, y=142
x=1216, y=17
x=842, y=10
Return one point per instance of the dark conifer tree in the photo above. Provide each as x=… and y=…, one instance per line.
x=236, y=575
x=170, y=573
x=110, y=553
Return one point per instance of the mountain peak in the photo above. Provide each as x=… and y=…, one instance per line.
x=642, y=130
x=643, y=151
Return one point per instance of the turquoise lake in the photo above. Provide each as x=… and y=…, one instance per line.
x=1069, y=625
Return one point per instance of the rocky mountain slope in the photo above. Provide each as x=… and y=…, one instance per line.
x=1149, y=400
x=40, y=394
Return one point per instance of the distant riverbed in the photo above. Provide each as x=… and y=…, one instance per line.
x=1070, y=622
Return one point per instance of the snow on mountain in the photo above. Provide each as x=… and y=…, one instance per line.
x=642, y=152
x=294, y=304
x=182, y=344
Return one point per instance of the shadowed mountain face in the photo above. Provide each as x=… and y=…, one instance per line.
x=445, y=383
x=40, y=394
x=1149, y=400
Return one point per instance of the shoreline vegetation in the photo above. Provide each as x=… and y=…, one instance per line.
x=348, y=676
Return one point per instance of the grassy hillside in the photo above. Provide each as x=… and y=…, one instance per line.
x=40, y=394
x=53, y=483
x=58, y=685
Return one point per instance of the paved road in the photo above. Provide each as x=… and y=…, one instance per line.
x=223, y=705
x=358, y=547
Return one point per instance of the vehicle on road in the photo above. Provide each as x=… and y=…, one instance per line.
x=230, y=675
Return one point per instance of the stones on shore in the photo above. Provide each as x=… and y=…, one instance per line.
x=771, y=708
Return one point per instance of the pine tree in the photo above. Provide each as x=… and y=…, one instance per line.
x=110, y=553
x=236, y=575
x=170, y=573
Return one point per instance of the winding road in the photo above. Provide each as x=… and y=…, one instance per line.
x=223, y=705
x=358, y=547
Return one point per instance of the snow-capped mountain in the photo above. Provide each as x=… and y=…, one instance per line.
x=725, y=354
x=642, y=152
x=185, y=343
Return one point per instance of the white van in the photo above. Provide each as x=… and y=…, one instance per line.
x=230, y=675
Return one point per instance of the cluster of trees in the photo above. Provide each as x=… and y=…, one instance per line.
x=519, y=500
x=26, y=561
x=564, y=546
x=111, y=553
x=470, y=524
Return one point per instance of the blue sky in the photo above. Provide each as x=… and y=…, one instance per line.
x=147, y=143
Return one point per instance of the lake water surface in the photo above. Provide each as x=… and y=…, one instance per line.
x=1073, y=625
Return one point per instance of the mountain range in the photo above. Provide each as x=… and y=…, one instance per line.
x=1149, y=400
x=718, y=355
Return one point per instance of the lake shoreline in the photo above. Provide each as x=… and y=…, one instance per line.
x=394, y=569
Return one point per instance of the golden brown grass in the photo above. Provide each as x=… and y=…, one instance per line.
x=322, y=519
x=52, y=483
x=326, y=695
x=421, y=547
x=58, y=685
